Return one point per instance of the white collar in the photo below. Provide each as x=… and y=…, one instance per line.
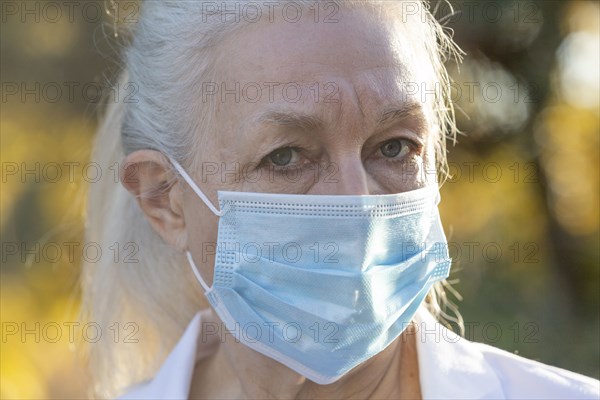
x=174, y=378
x=449, y=366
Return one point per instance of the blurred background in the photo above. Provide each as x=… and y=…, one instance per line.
x=521, y=211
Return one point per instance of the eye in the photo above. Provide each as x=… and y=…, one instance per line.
x=394, y=148
x=283, y=157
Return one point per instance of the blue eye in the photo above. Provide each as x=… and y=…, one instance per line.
x=281, y=157
x=392, y=148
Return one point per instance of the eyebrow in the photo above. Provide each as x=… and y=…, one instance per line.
x=292, y=119
x=412, y=111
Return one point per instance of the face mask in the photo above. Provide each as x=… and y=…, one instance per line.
x=323, y=283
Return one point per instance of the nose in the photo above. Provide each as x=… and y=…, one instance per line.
x=345, y=176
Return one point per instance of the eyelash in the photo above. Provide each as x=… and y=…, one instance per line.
x=415, y=147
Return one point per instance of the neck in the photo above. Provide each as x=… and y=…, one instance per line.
x=236, y=371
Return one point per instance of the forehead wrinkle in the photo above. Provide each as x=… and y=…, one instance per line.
x=382, y=99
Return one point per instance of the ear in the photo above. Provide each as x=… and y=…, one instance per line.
x=147, y=175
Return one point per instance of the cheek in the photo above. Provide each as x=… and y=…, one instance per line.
x=397, y=177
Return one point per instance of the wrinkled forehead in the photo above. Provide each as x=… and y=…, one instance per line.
x=363, y=48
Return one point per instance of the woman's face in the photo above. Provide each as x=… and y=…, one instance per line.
x=310, y=108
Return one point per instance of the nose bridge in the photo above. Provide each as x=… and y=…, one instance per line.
x=345, y=175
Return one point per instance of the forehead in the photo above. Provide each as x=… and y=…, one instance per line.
x=359, y=43
x=367, y=62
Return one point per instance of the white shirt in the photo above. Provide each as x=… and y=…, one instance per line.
x=450, y=367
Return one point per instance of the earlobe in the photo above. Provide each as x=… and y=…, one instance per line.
x=148, y=176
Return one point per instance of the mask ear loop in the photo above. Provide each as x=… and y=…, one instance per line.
x=195, y=188
x=196, y=272
x=208, y=203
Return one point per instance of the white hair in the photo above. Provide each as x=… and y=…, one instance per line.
x=173, y=46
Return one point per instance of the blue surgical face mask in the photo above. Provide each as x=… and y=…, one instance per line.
x=323, y=283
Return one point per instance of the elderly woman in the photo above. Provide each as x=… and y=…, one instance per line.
x=278, y=185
